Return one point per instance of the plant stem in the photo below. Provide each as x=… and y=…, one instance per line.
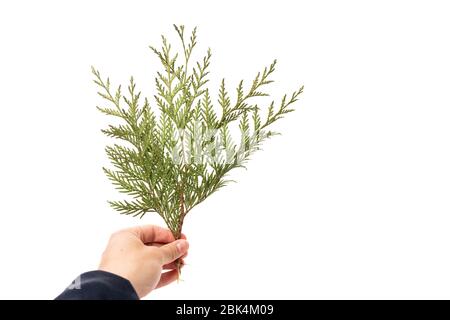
x=180, y=226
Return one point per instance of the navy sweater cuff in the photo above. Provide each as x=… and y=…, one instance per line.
x=99, y=285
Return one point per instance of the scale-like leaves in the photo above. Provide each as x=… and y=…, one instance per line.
x=179, y=150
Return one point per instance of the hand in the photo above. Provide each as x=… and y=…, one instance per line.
x=140, y=254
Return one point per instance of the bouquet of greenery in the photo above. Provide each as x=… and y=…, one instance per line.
x=175, y=156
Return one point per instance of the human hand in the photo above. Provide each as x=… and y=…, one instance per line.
x=140, y=254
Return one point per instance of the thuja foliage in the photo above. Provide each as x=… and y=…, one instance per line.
x=178, y=148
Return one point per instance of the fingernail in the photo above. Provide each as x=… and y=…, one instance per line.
x=182, y=245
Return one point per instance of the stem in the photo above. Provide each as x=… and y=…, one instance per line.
x=180, y=226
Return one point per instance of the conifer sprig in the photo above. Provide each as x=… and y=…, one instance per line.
x=176, y=152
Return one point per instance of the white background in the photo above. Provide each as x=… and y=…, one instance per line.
x=352, y=201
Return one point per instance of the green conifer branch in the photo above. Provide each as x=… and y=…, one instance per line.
x=179, y=150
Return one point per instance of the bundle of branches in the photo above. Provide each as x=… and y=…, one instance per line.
x=178, y=149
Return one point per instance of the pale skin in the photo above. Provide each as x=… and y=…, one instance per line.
x=140, y=255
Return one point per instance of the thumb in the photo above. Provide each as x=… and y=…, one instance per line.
x=173, y=250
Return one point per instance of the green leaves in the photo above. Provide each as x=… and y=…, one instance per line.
x=284, y=108
x=209, y=116
x=177, y=149
x=135, y=208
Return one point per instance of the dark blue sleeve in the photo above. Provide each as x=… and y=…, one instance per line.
x=99, y=285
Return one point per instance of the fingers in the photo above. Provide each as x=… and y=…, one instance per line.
x=167, y=277
x=174, y=265
x=159, y=244
x=174, y=250
x=151, y=233
x=154, y=234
